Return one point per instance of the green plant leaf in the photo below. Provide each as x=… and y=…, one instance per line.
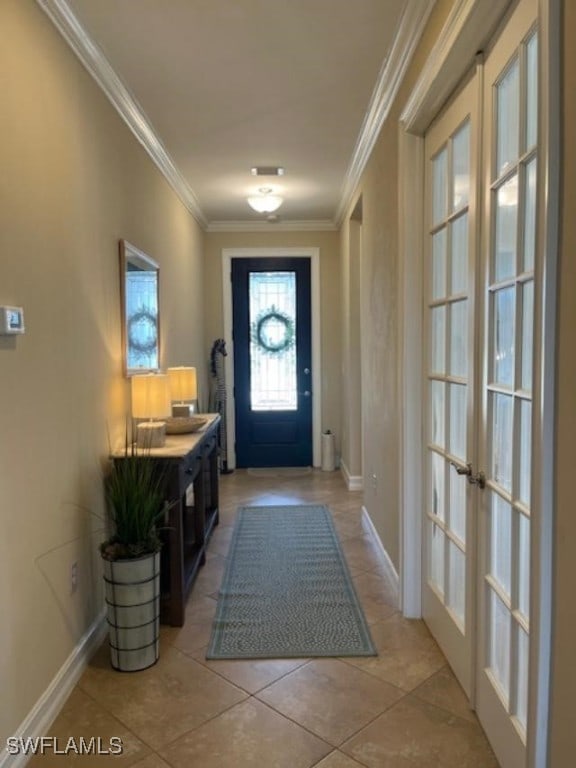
x=135, y=493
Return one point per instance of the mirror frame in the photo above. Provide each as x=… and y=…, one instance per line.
x=147, y=316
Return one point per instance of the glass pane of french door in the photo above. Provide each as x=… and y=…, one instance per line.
x=510, y=233
x=447, y=571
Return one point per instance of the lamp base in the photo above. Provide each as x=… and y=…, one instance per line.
x=181, y=410
x=185, y=409
x=151, y=434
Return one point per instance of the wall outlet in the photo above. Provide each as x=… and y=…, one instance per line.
x=74, y=577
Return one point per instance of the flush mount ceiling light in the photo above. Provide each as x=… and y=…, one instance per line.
x=265, y=201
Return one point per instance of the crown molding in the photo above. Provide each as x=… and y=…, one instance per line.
x=293, y=225
x=469, y=25
x=391, y=74
x=125, y=104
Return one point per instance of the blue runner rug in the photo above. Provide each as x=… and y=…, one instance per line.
x=286, y=591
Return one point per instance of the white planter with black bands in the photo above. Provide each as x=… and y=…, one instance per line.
x=132, y=591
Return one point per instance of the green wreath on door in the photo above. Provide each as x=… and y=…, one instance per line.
x=268, y=320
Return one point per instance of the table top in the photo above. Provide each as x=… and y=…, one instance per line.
x=176, y=446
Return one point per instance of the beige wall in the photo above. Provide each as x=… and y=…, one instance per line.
x=562, y=736
x=330, y=309
x=380, y=310
x=73, y=181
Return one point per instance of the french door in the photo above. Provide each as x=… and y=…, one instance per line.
x=271, y=308
x=510, y=366
x=449, y=530
x=481, y=166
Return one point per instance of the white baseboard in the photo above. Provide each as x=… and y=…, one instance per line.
x=353, y=482
x=388, y=565
x=52, y=700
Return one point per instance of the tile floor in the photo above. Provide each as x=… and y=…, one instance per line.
x=401, y=709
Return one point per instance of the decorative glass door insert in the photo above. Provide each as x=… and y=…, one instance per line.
x=273, y=381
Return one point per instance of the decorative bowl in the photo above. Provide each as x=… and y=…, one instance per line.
x=180, y=425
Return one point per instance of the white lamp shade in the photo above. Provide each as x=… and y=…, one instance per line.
x=151, y=396
x=265, y=203
x=183, y=383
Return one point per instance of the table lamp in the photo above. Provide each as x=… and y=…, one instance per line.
x=183, y=386
x=150, y=402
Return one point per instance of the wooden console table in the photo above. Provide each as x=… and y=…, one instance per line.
x=191, y=466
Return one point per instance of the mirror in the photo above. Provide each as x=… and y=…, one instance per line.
x=140, y=310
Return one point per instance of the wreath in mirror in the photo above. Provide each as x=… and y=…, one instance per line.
x=142, y=331
x=273, y=331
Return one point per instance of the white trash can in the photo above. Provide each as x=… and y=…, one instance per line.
x=328, y=452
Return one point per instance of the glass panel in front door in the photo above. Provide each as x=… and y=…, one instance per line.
x=272, y=302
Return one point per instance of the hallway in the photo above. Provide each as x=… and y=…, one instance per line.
x=398, y=710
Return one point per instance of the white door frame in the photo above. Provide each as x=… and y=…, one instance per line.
x=469, y=26
x=273, y=253
x=411, y=248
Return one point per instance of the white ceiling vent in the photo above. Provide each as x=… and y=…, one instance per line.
x=267, y=170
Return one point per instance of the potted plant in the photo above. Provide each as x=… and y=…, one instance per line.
x=131, y=559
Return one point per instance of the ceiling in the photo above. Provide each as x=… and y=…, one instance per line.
x=215, y=87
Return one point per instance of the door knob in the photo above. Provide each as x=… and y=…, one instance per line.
x=467, y=470
x=478, y=479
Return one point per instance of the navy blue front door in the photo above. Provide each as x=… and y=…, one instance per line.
x=272, y=361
